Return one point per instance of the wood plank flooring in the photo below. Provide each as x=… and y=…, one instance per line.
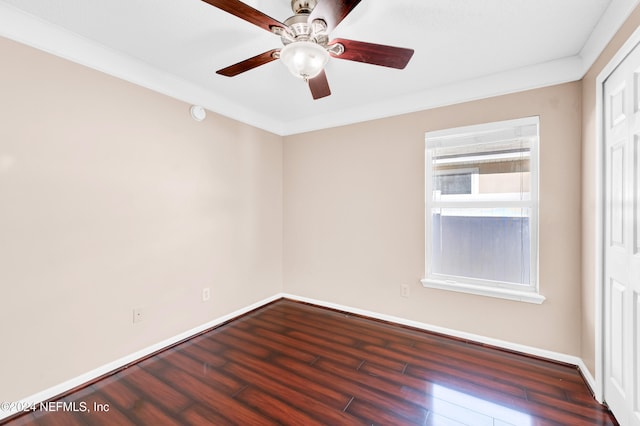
x=295, y=364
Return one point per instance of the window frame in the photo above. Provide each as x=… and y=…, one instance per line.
x=471, y=135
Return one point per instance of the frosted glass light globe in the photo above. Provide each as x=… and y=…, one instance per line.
x=304, y=59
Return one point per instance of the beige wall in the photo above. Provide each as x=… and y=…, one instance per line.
x=354, y=221
x=112, y=197
x=589, y=201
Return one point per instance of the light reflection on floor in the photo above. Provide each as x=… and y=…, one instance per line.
x=473, y=411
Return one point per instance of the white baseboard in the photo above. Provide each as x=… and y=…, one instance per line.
x=591, y=381
x=119, y=363
x=529, y=350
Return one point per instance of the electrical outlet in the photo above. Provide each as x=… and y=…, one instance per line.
x=404, y=290
x=138, y=315
x=206, y=294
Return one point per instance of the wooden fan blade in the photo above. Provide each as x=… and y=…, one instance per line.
x=249, y=64
x=319, y=86
x=246, y=12
x=371, y=53
x=332, y=11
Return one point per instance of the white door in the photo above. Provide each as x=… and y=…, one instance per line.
x=622, y=240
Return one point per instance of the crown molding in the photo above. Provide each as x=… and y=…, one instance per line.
x=608, y=25
x=518, y=80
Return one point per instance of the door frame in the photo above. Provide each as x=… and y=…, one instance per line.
x=616, y=60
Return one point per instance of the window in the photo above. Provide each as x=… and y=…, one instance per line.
x=482, y=209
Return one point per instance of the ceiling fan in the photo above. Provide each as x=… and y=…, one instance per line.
x=305, y=37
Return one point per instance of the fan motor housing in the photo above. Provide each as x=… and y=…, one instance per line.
x=303, y=6
x=300, y=29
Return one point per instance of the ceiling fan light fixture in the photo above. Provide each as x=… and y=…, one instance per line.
x=304, y=59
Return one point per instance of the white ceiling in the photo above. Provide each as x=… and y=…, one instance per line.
x=464, y=49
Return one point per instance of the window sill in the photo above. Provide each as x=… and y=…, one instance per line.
x=502, y=293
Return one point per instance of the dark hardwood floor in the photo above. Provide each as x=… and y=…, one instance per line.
x=292, y=363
